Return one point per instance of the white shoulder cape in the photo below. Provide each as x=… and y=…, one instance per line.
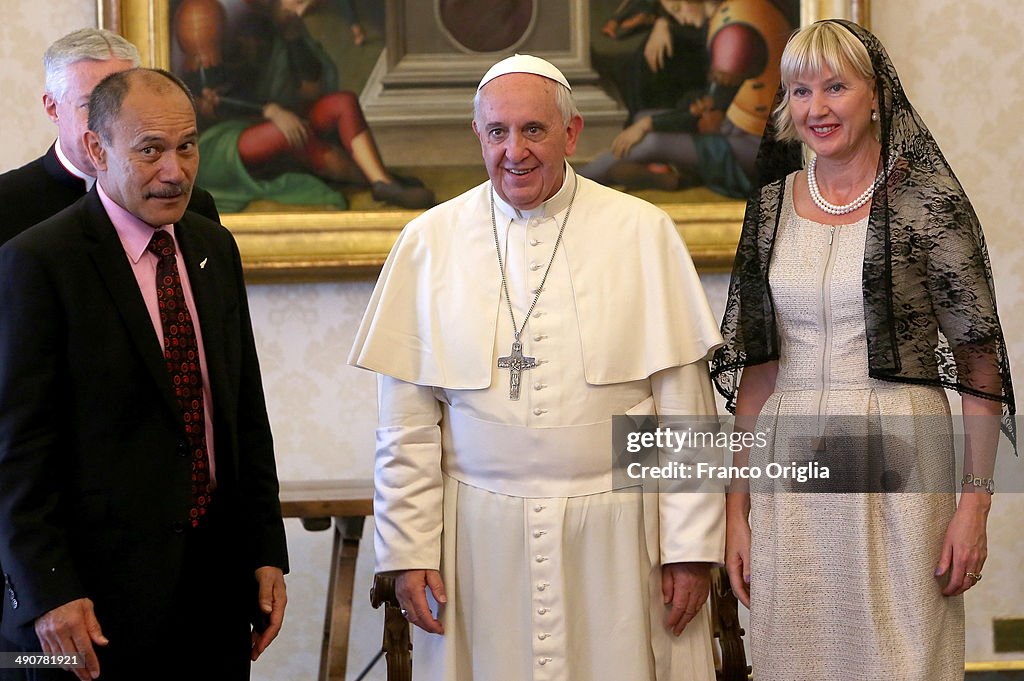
x=431, y=319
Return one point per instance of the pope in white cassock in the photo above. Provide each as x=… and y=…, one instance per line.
x=508, y=326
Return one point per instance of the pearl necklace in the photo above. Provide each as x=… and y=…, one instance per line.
x=833, y=209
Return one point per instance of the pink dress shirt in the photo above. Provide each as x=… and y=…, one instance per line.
x=135, y=236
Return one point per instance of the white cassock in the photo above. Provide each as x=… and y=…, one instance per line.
x=549, y=573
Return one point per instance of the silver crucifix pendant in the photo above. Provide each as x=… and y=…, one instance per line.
x=516, y=364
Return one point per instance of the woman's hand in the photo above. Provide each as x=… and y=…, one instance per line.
x=737, y=551
x=965, y=546
x=756, y=386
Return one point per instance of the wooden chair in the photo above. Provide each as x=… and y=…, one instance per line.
x=731, y=661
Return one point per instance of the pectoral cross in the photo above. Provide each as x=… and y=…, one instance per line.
x=516, y=364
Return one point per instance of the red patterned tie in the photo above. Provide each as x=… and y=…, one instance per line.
x=181, y=352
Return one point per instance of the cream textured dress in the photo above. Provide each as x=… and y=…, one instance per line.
x=842, y=584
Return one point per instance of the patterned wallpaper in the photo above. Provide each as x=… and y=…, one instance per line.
x=965, y=79
x=27, y=29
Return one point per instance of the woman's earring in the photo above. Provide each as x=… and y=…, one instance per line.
x=874, y=115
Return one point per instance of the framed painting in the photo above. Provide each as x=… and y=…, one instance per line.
x=326, y=125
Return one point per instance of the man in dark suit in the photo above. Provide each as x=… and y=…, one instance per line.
x=52, y=182
x=61, y=176
x=140, y=525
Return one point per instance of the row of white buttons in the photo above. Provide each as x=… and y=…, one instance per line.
x=538, y=411
x=543, y=594
x=542, y=542
x=536, y=265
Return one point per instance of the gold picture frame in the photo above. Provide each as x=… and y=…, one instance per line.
x=322, y=245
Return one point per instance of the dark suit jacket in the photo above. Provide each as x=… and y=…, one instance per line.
x=43, y=188
x=94, y=466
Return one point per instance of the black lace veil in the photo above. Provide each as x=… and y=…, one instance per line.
x=929, y=302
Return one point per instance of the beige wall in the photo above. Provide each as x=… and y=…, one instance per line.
x=963, y=75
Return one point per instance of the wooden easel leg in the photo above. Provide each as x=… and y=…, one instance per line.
x=334, y=651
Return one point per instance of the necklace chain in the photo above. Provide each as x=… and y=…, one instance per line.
x=833, y=209
x=501, y=264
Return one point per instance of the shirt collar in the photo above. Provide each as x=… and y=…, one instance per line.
x=135, y=234
x=71, y=168
x=553, y=206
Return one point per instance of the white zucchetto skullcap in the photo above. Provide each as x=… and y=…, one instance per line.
x=524, y=63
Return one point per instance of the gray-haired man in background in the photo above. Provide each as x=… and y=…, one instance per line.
x=74, y=65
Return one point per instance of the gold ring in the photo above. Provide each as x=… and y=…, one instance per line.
x=975, y=576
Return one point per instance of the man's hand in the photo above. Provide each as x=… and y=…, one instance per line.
x=73, y=628
x=410, y=589
x=272, y=599
x=684, y=586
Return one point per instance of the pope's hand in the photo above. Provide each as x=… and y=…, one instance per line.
x=410, y=589
x=685, y=588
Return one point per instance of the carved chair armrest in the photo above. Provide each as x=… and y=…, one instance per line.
x=726, y=628
x=397, y=642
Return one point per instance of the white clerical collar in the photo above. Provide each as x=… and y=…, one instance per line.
x=553, y=206
x=71, y=168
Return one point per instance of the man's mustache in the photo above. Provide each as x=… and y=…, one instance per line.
x=170, y=191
